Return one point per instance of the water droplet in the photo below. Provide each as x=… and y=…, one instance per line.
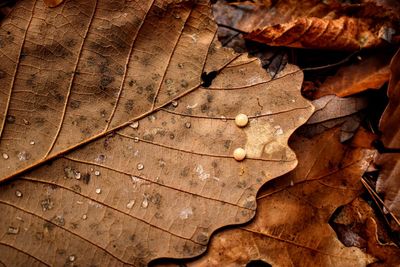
x=223, y=118
x=180, y=65
x=98, y=190
x=100, y=158
x=174, y=103
x=239, y=154
x=134, y=125
x=186, y=213
x=140, y=166
x=26, y=122
x=23, y=156
x=241, y=120
x=188, y=125
x=97, y=173
x=278, y=130
x=5, y=156
x=291, y=183
x=71, y=258
x=130, y=204
x=77, y=175
x=18, y=193
x=13, y=230
x=136, y=139
x=10, y=119
x=84, y=217
x=32, y=142
x=145, y=202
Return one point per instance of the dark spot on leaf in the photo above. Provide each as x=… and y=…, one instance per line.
x=204, y=108
x=39, y=235
x=208, y=78
x=105, y=81
x=129, y=106
x=75, y=104
x=210, y=98
x=2, y=74
x=47, y=204
x=11, y=119
x=86, y=178
x=49, y=226
x=185, y=171
x=76, y=188
x=148, y=137
x=227, y=144
x=59, y=220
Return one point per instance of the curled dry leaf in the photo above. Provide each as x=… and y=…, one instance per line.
x=386, y=254
x=349, y=34
x=371, y=72
x=53, y=3
x=357, y=225
x=140, y=99
x=291, y=226
x=334, y=25
x=388, y=183
x=332, y=111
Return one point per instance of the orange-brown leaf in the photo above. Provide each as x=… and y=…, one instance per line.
x=369, y=73
x=291, y=226
x=137, y=101
x=348, y=34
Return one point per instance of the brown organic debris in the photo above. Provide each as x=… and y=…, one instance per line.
x=388, y=183
x=291, y=226
x=138, y=102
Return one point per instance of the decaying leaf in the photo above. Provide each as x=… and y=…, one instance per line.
x=371, y=72
x=291, y=226
x=336, y=34
x=356, y=225
x=53, y=3
x=332, y=25
x=388, y=182
x=332, y=111
x=138, y=101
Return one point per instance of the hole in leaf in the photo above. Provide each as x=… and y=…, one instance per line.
x=207, y=78
x=258, y=263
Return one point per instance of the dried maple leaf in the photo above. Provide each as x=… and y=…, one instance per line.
x=388, y=182
x=138, y=100
x=291, y=226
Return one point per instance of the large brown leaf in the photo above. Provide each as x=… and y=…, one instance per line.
x=146, y=169
x=291, y=226
x=388, y=182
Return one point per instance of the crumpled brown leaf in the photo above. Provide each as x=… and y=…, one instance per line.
x=371, y=72
x=332, y=111
x=328, y=25
x=349, y=34
x=388, y=183
x=291, y=226
x=139, y=106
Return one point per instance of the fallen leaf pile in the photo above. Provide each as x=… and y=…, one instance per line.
x=120, y=132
